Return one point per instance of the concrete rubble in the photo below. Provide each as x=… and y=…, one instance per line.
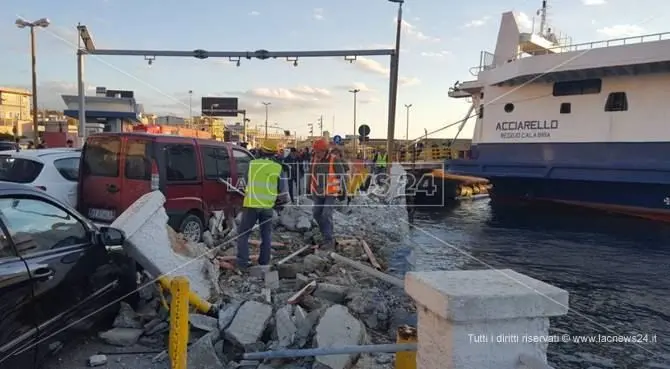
x=307, y=301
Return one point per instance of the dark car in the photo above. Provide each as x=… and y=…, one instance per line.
x=56, y=274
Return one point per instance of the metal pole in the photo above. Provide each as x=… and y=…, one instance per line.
x=266, y=119
x=244, y=124
x=407, y=128
x=82, y=97
x=355, y=92
x=326, y=351
x=34, y=71
x=190, y=107
x=393, y=86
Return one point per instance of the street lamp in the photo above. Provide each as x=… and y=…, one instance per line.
x=43, y=23
x=190, y=107
x=393, y=81
x=355, y=92
x=407, y=106
x=266, y=118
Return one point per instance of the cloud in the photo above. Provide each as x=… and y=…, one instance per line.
x=412, y=31
x=362, y=87
x=524, y=21
x=49, y=93
x=318, y=13
x=621, y=30
x=254, y=13
x=408, y=81
x=373, y=66
x=594, y=2
x=478, y=22
x=436, y=54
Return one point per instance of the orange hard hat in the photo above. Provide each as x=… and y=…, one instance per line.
x=320, y=144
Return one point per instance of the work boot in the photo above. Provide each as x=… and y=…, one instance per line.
x=327, y=246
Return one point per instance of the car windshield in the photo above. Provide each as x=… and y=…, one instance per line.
x=18, y=170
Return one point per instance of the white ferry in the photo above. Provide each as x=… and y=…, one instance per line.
x=585, y=124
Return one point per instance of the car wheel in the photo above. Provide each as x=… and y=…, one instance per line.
x=191, y=227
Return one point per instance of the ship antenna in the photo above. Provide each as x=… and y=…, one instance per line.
x=543, y=17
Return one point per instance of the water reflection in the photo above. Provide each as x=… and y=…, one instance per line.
x=614, y=267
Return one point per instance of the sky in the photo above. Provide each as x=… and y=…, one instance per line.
x=441, y=41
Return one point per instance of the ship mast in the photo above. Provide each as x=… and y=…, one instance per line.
x=543, y=17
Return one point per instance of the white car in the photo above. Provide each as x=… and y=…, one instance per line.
x=55, y=171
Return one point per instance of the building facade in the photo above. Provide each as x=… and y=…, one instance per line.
x=15, y=108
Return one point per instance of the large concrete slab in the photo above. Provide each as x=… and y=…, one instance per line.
x=145, y=226
x=477, y=295
x=336, y=328
x=249, y=323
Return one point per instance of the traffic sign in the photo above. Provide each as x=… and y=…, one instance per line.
x=337, y=139
x=364, y=130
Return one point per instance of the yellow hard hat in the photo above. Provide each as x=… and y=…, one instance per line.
x=269, y=148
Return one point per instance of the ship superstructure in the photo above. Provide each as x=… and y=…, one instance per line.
x=579, y=123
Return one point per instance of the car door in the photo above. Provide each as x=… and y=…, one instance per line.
x=68, y=170
x=18, y=331
x=57, y=249
x=216, y=165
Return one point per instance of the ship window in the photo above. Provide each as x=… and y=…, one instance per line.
x=481, y=111
x=616, y=101
x=509, y=107
x=582, y=87
x=566, y=108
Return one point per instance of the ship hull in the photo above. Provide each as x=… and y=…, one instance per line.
x=627, y=178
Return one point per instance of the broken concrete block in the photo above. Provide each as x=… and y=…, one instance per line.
x=258, y=271
x=313, y=263
x=331, y=292
x=289, y=271
x=249, y=323
x=303, y=224
x=338, y=328
x=272, y=280
x=147, y=242
x=227, y=314
x=285, y=327
x=203, y=322
x=126, y=318
x=121, y=336
x=202, y=354
x=208, y=239
x=97, y=360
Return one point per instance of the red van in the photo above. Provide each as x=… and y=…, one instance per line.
x=118, y=168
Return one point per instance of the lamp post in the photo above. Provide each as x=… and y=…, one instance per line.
x=267, y=104
x=393, y=80
x=355, y=92
x=190, y=107
x=43, y=23
x=407, y=106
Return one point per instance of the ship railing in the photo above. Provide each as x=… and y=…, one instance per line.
x=485, y=63
x=602, y=44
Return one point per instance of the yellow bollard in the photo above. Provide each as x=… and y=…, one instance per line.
x=194, y=300
x=407, y=359
x=178, y=344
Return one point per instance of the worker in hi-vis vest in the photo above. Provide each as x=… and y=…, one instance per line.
x=266, y=187
x=325, y=186
x=380, y=161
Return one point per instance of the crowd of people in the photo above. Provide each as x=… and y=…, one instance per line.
x=275, y=180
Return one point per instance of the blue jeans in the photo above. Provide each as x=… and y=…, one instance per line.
x=249, y=218
x=323, y=214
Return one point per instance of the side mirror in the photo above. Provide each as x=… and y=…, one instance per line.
x=108, y=236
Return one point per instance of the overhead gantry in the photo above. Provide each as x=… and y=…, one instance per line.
x=87, y=47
